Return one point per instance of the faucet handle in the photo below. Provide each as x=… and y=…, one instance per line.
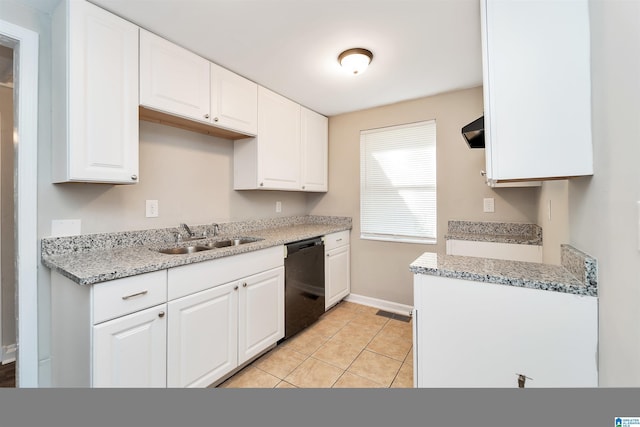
x=178, y=236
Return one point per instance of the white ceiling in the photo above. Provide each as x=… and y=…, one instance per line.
x=420, y=47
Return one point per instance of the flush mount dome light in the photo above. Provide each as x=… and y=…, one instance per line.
x=355, y=60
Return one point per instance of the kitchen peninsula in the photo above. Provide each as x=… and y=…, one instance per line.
x=482, y=322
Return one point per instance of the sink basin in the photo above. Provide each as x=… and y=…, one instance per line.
x=207, y=246
x=230, y=242
x=183, y=250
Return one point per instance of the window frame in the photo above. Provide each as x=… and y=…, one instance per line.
x=431, y=144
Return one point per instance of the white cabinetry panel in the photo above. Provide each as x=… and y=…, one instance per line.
x=337, y=267
x=95, y=95
x=537, y=93
x=261, y=313
x=131, y=351
x=314, y=129
x=471, y=334
x=202, y=337
x=173, y=79
x=234, y=101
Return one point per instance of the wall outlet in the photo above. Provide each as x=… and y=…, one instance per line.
x=489, y=204
x=278, y=206
x=152, y=209
x=65, y=227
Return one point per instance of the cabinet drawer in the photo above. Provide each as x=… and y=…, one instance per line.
x=123, y=296
x=192, y=278
x=335, y=240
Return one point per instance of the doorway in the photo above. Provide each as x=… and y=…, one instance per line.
x=7, y=240
x=23, y=44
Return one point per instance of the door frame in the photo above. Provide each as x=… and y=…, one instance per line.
x=25, y=45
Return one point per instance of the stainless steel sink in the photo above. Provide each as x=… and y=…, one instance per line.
x=230, y=242
x=183, y=250
x=207, y=246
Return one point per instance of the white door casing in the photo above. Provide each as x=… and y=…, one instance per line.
x=25, y=42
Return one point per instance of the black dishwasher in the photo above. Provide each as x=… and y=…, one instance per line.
x=303, y=284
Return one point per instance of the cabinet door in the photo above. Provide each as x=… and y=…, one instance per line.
x=278, y=142
x=261, y=313
x=130, y=351
x=472, y=334
x=314, y=146
x=100, y=75
x=234, y=101
x=202, y=337
x=537, y=93
x=337, y=275
x=172, y=79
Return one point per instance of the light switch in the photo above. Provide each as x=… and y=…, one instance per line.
x=278, y=206
x=152, y=209
x=489, y=204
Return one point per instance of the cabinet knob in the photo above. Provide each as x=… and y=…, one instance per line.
x=262, y=184
x=303, y=187
x=206, y=116
x=328, y=255
x=235, y=288
x=134, y=177
x=215, y=119
x=244, y=285
x=161, y=314
x=483, y=173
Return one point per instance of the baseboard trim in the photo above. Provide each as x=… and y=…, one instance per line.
x=8, y=353
x=393, y=307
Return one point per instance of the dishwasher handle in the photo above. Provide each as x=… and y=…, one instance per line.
x=304, y=245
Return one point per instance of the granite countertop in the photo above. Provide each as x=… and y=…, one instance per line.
x=499, y=232
x=95, y=258
x=577, y=274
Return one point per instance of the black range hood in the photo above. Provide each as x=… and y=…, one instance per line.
x=473, y=133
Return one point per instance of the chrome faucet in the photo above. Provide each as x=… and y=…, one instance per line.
x=216, y=229
x=187, y=229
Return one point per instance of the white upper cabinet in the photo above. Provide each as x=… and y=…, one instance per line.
x=234, y=101
x=290, y=151
x=537, y=89
x=95, y=95
x=314, y=150
x=180, y=88
x=271, y=161
x=173, y=79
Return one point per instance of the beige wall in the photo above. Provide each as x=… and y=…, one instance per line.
x=6, y=219
x=381, y=269
x=191, y=176
x=553, y=217
x=603, y=208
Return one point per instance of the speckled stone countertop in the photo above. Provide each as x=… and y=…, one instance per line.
x=93, y=258
x=499, y=232
x=576, y=275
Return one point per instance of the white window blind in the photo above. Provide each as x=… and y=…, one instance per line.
x=398, y=183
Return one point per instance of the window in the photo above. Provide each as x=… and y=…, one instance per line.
x=398, y=183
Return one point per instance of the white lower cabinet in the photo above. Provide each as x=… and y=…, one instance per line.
x=202, y=337
x=214, y=331
x=337, y=273
x=131, y=351
x=261, y=313
x=111, y=334
x=188, y=326
x=470, y=334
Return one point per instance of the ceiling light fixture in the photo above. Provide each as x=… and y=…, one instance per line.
x=355, y=60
